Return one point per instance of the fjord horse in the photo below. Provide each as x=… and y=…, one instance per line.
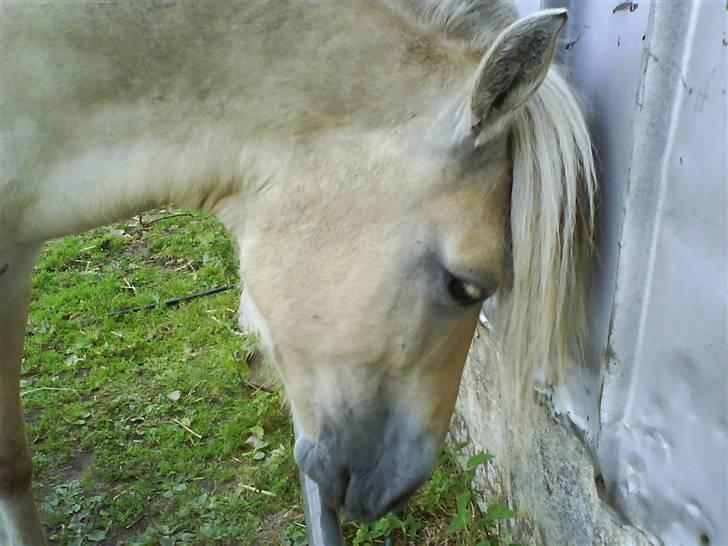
x=385, y=168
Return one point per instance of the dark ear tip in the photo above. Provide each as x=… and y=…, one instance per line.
x=553, y=19
x=560, y=16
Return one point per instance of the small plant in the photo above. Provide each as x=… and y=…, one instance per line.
x=381, y=529
x=295, y=535
x=488, y=520
x=445, y=512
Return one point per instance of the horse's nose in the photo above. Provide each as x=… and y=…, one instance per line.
x=371, y=495
x=368, y=471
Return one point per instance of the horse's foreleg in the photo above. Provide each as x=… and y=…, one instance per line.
x=19, y=522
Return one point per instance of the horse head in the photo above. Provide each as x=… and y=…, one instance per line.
x=365, y=272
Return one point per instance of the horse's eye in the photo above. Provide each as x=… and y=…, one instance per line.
x=465, y=293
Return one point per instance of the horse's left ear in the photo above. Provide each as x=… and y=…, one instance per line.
x=514, y=67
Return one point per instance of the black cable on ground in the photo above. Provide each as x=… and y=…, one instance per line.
x=174, y=301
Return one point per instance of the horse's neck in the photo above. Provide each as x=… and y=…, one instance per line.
x=253, y=67
x=174, y=103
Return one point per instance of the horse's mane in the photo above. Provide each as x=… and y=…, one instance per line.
x=541, y=323
x=474, y=24
x=542, y=309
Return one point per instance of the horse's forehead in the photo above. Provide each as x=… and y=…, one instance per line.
x=406, y=170
x=380, y=189
x=461, y=196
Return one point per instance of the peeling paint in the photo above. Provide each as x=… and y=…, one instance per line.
x=626, y=6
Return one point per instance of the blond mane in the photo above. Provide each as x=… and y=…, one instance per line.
x=542, y=317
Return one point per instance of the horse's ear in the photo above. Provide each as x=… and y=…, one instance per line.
x=514, y=67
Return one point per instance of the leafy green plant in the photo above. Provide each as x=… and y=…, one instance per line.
x=295, y=535
x=486, y=521
x=444, y=512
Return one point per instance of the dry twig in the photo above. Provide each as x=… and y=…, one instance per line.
x=188, y=429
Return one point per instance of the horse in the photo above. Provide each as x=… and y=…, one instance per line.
x=385, y=168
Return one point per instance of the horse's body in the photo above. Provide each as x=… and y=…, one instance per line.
x=363, y=155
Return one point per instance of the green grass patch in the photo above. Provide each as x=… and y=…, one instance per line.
x=146, y=429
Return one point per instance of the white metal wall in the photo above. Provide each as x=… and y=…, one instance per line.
x=653, y=75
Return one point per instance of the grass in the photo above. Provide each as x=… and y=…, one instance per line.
x=147, y=428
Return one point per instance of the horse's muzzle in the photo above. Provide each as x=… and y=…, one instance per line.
x=368, y=470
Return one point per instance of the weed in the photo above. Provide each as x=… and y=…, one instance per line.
x=445, y=511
